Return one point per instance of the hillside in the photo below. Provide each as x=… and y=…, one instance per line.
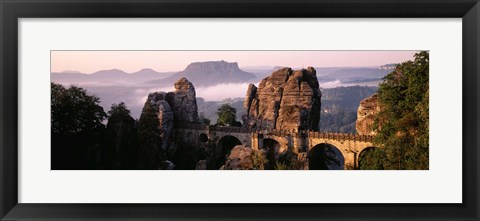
x=107, y=76
x=339, y=107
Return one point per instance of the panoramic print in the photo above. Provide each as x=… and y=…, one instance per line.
x=239, y=110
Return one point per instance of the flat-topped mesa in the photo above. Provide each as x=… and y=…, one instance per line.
x=212, y=66
x=209, y=73
x=366, y=113
x=286, y=100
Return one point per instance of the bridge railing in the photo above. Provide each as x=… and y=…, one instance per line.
x=316, y=134
x=341, y=136
x=281, y=133
x=230, y=129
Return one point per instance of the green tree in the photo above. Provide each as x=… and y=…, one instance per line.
x=227, y=115
x=74, y=111
x=372, y=159
x=403, y=120
x=120, y=139
x=149, y=140
x=205, y=121
x=76, y=128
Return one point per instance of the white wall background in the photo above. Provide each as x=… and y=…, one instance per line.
x=441, y=184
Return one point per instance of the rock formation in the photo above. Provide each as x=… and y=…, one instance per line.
x=165, y=116
x=367, y=111
x=286, y=100
x=179, y=106
x=201, y=165
x=240, y=158
x=184, y=102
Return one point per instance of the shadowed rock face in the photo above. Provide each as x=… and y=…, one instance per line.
x=178, y=106
x=164, y=115
x=286, y=100
x=367, y=111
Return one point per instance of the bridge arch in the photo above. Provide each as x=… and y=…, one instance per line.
x=273, y=145
x=202, y=138
x=325, y=156
x=224, y=147
x=273, y=150
x=369, y=159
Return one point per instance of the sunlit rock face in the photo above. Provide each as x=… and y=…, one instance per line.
x=366, y=113
x=184, y=102
x=240, y=158
x=286, y=100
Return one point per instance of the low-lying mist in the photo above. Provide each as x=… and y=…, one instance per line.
x=222, y=91
x=134, y=96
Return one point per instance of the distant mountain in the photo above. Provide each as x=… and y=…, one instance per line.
x=107, y=76
x=146, y=72
x=351, y=74
x=209, y=73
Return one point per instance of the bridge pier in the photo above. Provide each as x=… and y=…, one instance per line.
x=256, y=141
x=300, y=143
x=350, y=161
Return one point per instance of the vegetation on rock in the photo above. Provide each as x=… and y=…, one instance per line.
x=339, y=107
x=403, y=120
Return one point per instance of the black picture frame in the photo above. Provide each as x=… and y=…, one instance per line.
x=12, y=10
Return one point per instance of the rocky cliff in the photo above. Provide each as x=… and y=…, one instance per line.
x=178, y=107
x=367, y=111
x=286, y=100
x=164, y=114
x=184, y=102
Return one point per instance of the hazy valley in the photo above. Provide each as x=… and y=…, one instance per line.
x=224, y=82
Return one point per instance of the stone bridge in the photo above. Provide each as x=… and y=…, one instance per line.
x=309, y=145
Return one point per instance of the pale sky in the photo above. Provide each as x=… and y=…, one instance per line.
x=163, y=61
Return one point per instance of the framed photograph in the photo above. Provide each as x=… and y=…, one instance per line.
x=319, y=110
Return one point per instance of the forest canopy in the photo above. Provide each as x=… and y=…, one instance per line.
x=403, y=121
